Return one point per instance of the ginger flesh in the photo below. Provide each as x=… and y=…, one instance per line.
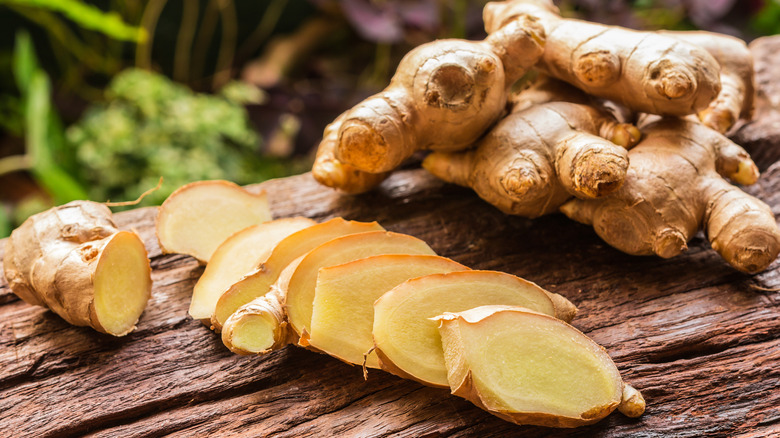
x=685, y=161
x=530, y=368
x=259, y=282
x=406, y=339
x=73, y=260
x=237, y=256
x=343, y=308
x=199, y=216
x=535, y=159
x=299, y=293
x=646, y=71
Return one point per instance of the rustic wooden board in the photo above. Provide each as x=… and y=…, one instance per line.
x=701, y=340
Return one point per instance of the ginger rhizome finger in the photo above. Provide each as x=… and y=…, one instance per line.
x=735, y=100
x=674, y=187
x=406, y=339
x=199, y=216
x=237, y=256
x=533, y=160
x=443, y=96
x=529, y=368
x=330, y=172
x=73, y=260
x=258, y=282
x=343, y=308
x=646, y=71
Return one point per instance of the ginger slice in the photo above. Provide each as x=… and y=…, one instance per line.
x=199, y=216
x=406, y=339
x=530, y=368
x=299, y=293
x=73, y=260
x=258, y=282
x=237, y=256
x=343, y=312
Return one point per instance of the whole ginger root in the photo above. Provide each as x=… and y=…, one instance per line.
x=675, y=186
x=443, y=96
x=535, y=159
x=646, y=71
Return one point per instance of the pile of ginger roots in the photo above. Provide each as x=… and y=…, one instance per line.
x=623, y=130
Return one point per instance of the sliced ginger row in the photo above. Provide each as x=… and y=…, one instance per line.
x=385, y=300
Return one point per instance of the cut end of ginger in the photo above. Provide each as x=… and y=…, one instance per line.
x=343, y=309
x=199, y=216
x=528, y=368
x=122, y=283
x=407, y=340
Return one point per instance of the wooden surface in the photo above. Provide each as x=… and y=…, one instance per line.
x=700, y=340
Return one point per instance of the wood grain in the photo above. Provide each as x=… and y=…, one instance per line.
x=700, y=340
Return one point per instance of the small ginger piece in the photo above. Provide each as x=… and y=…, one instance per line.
x=241, y=253
x=735, y=100
x=258, y=282
x=646, y=71
x=199, y=216
x=406, y=339
x=674, y=187
x=535, y=159
x=73, y=260
x=443, y=96
x=530, y=368
x=343, y=308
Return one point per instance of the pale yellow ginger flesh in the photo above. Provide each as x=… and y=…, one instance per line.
x=264, y=318
x=343, y=312
x=645, y=71
x=258, y=282
x=199, y=216
x=406, y=339
x=299, y=294
x=73, y=260
x=241, y=253
x=530, y=368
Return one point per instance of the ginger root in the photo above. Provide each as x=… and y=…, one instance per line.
x=405, y=338
x=443, y=96
x=529, y=368
x=646, y=71
x=535, y=159
x=676, y=185
x=73, y=260
x=199, y=216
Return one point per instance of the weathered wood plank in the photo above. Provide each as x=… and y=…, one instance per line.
x=701, y=340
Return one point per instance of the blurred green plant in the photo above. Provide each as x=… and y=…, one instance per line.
x=151, y=127
x=46, y=155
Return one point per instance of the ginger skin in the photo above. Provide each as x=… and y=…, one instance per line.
x=684, y=161
x=73, y=260
x=646, y=71
x=534, y=160
x=735, y=100
x=443, y=96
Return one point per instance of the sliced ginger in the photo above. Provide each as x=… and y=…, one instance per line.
x=258, y=282
x=530, y=368
x=72, y=260
x=406, y=339
x=241, y=253
x=199, y=216
x=343, y=312
x=289, y=304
